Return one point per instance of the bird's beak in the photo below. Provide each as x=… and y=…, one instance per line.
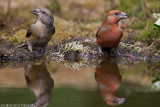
x=35, y=11
x=123, y=15
x=121, y=100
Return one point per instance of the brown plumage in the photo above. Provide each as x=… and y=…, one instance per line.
x=40, y=33
x=109, y=34
x=108, y=79
x=40, y=83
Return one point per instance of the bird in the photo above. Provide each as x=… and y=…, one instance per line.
x=40, y=33
x=109, y=34
x=39, y=81
x=109, y=79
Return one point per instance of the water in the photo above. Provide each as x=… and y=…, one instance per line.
x=58, y=85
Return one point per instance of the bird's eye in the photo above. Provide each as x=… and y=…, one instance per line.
x=114, y=101
x=116, y=13
x=43, y=12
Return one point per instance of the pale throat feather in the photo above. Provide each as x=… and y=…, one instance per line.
x=40, y=27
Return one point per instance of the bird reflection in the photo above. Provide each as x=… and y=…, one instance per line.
x=40, y=83
x=108, y=79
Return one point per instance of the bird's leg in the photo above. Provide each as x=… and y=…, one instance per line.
x=21, y=45
x=30, y=48
x=100, y=52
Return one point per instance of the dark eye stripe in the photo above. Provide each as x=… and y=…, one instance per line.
x=116, y=13
x=43, y=12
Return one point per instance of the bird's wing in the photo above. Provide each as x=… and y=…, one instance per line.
x=53, y=29
x=97, y=32
x=102, y=29
x=29, y=32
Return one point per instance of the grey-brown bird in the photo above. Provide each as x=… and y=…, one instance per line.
x=40, y=33
x=39, y=81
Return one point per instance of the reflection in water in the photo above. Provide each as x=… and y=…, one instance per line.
x=108, y=79
x=40, y=83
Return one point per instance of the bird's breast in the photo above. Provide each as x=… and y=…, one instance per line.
x=41, y=35
x=110, y=38
x=40, y=30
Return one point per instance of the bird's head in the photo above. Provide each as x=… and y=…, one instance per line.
x=44, y=15
x=114, y=16
x=114, y=101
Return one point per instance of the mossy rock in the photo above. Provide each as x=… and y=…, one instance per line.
x=147, y=35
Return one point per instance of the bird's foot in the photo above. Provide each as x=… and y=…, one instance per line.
x=100, y=52
x=30, y=48
x=21, y=45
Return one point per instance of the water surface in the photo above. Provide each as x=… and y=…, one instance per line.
x=55, y=84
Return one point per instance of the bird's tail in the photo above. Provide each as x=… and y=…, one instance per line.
x=21, y=45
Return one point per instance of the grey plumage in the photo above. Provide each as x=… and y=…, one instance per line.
x=40, y=33
x=39, y=81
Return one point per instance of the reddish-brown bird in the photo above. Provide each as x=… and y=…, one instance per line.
x=110, y=34
x=109, y=79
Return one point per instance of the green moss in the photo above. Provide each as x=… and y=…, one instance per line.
x=139, y=25
x=147, y=30
x=146, y=35
x=19, y=37
x=129, y=6
x=155, y=5
x=139, y=8
x=54, y=6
